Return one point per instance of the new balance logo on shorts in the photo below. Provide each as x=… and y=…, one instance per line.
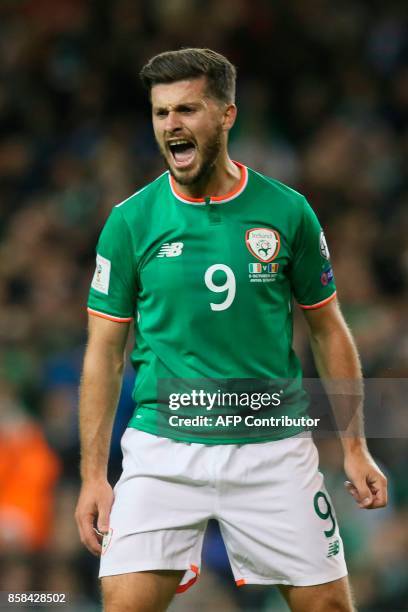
x=171, y=249
x=334, y=548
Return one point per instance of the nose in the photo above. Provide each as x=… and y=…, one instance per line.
x=172, y=122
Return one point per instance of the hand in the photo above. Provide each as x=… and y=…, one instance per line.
x=94, y=504
x=367, y=484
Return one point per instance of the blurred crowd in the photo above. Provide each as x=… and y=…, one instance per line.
x=323, y=103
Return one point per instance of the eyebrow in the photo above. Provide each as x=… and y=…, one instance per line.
x=177, y=107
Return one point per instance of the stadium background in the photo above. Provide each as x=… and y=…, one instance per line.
x=323, y=99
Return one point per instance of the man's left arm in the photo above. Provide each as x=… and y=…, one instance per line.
x=339, y=368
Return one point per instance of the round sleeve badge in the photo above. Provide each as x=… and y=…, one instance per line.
x=324, y=249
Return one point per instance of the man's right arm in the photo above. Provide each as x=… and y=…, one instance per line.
x=99, y=394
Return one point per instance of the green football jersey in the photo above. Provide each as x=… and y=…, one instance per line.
x=209, y=284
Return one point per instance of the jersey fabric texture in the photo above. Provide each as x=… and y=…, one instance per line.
x=209, y=284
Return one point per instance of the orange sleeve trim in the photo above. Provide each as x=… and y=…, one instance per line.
x=96, y=313
x=240, y=582
x=319, y=304
x=183, y=587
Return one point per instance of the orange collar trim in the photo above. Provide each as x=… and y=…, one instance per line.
x=231, y=195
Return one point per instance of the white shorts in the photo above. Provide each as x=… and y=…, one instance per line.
x=274, y=513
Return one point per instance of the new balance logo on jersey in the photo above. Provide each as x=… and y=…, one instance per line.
x=334, y=548
x=171, y=249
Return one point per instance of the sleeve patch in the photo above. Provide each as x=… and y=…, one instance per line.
x=101, y=278
x=326, y=276
x=324, y=249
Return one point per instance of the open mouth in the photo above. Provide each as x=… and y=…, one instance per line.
x=183, y=152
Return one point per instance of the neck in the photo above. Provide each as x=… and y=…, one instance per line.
x=223, y=178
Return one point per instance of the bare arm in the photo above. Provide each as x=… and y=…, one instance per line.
x=99, y=393
x=338, y=365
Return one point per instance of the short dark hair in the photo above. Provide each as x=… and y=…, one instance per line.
x=192, y=63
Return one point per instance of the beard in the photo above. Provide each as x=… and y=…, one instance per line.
x=210, y=151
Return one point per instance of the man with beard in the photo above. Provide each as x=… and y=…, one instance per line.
x=205, y=261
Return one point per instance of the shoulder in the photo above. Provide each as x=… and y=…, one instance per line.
x=276, y=188
x=145, y=196
x=131, y=215
x=284, y=200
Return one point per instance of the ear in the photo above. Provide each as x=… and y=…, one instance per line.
x=230, y=114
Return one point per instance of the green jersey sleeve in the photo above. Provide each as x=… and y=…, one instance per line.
x=113, y=290
x=311, y=273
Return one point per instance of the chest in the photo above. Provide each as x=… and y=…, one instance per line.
x=216, y=257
